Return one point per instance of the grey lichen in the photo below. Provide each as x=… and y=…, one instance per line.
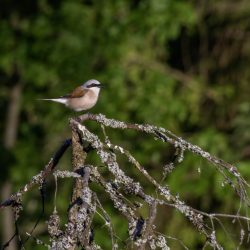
x=54, y=225
x=120, y=187
x=66, y=174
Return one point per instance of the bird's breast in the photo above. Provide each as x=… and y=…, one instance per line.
x=83, y=103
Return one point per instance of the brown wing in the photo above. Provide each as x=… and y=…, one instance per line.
x=78, y=92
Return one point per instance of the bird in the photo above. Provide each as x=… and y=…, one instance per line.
x=81, y=98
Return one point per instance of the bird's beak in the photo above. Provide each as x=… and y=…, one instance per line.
x=101, y=86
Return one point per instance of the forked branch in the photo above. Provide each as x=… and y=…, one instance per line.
x=85, y=205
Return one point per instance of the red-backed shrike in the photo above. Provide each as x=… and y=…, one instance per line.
x=82, y=98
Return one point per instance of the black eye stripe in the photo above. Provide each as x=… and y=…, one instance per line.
x=93, y=85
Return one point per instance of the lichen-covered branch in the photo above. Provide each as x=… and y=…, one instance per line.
x=178, y=142
x=85, y=204
x=15, y=199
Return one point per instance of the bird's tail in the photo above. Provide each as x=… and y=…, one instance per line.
x=60, y=100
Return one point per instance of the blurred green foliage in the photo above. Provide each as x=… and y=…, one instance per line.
x=182, y=65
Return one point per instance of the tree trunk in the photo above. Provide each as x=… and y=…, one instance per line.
x=10, y=136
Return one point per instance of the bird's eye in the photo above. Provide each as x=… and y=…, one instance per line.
x=92, y=84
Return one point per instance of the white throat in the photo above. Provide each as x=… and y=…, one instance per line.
x=95, y=90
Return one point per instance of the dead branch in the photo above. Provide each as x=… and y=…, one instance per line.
x=85, y=203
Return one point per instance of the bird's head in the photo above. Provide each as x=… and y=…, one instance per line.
x=91, y=84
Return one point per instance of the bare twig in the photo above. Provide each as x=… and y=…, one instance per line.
x=84, y=205
x=38, y=179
